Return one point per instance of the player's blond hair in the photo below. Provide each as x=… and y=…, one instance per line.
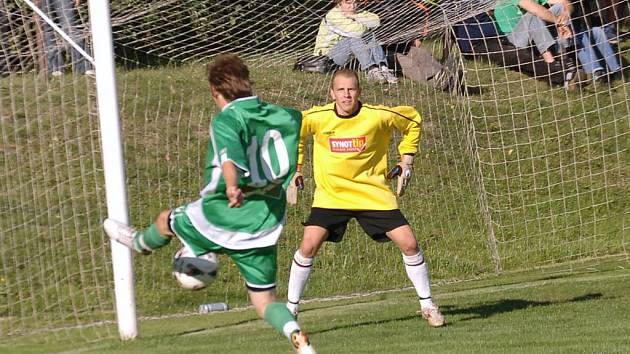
x=345, y=72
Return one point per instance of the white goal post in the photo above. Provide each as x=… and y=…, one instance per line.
x=113, y=163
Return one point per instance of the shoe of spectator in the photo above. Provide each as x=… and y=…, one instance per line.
x=470, y=90
x=570, y=74
x=599, y=75
x=614, y=75
x=578, y=79
x=606, y=78
x=56, y=73
x=570, y=81
x=389, y=75
x=89, y=73
x=375, y=74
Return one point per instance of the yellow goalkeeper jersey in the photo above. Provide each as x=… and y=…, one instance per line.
x=350, y=153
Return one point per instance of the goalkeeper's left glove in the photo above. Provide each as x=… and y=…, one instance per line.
x=403, y=171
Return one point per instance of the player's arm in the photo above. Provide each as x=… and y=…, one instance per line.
x=408, y=121
x=297, y=183
x=543, y=13
x=344, y=26
x=368, y=19
x=232, y=191
x=226, y=139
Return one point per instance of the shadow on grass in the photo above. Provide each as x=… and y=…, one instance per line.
x=508, y=305
x=476, y=312
x=211, y=328
x=366, y=324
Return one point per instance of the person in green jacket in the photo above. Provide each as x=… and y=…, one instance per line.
x=525, y=21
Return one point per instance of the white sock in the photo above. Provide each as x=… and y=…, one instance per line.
x=300, y=271
x=289, y=328
x=418, y=273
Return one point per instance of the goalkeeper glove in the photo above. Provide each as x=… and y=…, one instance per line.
x=403, y=171
x=297, y=183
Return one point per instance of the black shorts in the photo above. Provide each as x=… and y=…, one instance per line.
x=374, y=222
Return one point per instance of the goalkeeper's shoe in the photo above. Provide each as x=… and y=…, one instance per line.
x=300, y=343
x=433, y=316
x=293, y=308
x=122, y=233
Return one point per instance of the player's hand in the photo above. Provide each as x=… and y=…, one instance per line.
x=297, y=183
x=235, y=196
x=403, y=171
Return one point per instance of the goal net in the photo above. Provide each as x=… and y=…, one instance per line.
x=515, y=170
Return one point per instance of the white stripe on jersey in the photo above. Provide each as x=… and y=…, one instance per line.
x=216, y=170
x=236, y=240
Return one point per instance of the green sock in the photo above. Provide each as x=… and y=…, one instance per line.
x=278, y=316
x=150, y=239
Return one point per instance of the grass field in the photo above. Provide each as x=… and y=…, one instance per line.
x=568, y=309
x=538, y=173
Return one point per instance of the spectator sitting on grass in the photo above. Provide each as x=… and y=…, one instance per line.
x=479, y=37
x=525, y=21
x=345, y=31
x=592, y=43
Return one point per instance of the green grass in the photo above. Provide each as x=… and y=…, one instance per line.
x=564, y=309
x=543, y=171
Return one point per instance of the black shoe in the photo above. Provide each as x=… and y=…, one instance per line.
x=615, y=75
x=600, y=75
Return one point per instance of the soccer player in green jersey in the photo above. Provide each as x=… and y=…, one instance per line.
x=252, y=157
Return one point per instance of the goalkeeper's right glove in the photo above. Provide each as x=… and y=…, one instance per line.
x=297, y=183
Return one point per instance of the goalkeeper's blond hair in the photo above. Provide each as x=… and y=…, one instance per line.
x=345, y=72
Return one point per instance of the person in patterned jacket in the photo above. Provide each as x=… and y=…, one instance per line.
x=345, y=31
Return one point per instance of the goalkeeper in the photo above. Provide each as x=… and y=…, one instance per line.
x=251, y=158
x=350, y=144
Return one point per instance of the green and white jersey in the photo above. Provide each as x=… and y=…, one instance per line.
x=261, y=139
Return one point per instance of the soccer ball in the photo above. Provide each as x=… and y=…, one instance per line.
x=194, y=272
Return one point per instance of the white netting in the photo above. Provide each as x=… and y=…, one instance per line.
x=522, y=174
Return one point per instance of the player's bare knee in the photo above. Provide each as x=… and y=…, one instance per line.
x=260, y=300
x=409, y=248
x=407, y=244
x=308, y=248
x=313, y=238
x=162, y=223
x=302, y=260
x=404, y=238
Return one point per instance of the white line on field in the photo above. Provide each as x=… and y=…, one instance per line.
x=450, y=295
